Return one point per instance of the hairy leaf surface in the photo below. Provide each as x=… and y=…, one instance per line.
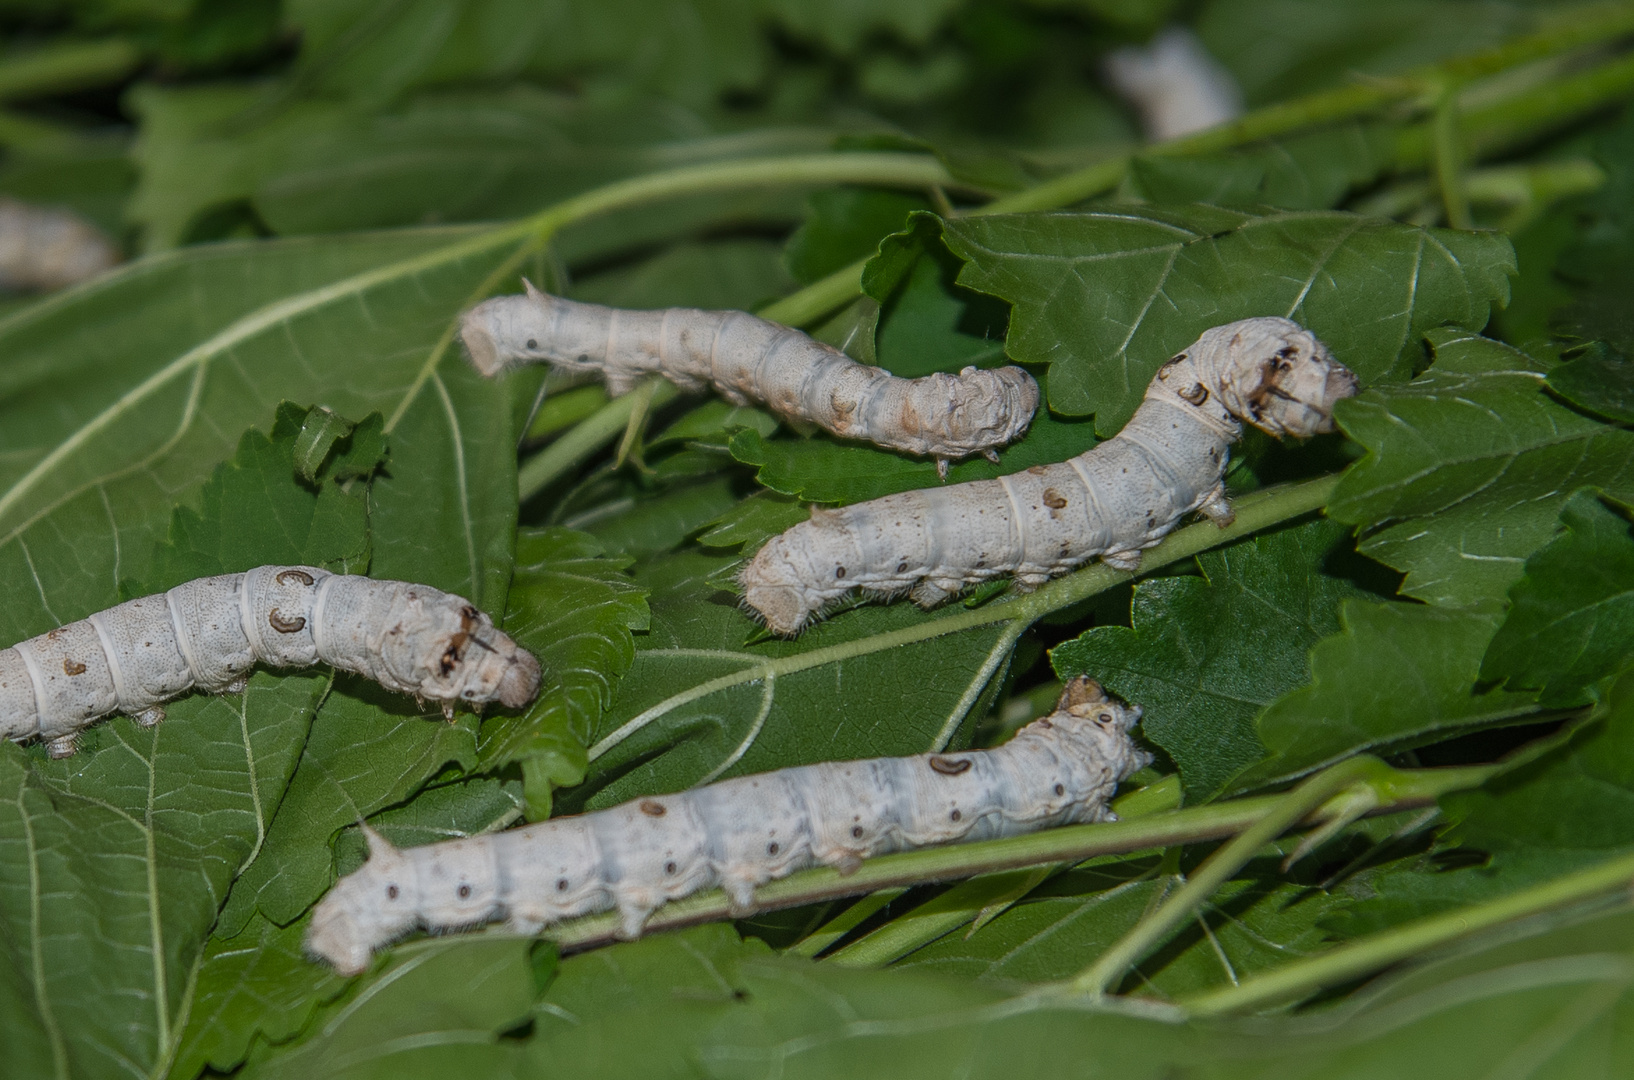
x=1107, y=297
x=1206, y=654
x=1571, y=618
x=706, y=698
x=1396, y=675
x=1468, y=467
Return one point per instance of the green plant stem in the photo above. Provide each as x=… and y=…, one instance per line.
x=1449, y=160
x=1352, y=961
x=67, y=65
x=1501, y=125
x=1288, y=810
x=1072, y=844
x=930, y=920
x=918, y=171
x=586, y=438
x=1533, y=184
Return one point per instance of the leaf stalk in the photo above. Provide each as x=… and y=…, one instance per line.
x=1346, y=963
x=1287, y=810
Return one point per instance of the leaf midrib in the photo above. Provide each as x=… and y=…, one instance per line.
x=256, y=322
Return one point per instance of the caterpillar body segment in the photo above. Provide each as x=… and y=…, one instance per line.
x=747, y=359
x=1113, y=501
x=208, y=633
x=737, y=834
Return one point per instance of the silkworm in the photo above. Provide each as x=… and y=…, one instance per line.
x=208, y=633
x=1174, y=84
x=1115, y=500
x=752, y=360
x=737, y=834
x=45, y=248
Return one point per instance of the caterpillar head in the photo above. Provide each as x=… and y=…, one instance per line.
x=1274, y=374
x=509, y=330
x=442, y=648
x=376, y=904
x=794, y=575
x=951, y=416
x=1105, y=721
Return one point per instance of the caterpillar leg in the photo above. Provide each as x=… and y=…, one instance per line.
x=633, y=914
x=63, y=745
x=741, y=893
x=523, y=925
x=1217, y=509
x=929, y=593
x=149, y=717
x=1127, y=561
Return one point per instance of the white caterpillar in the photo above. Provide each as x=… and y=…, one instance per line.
x=752, y=360
x=45, y=248
x=208, y=633
x=1175, y=85
x=1114, y=500
x=737, y=834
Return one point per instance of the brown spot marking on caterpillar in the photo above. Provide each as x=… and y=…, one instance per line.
x=669, y=868
x=949, y=766
x=456, y=643
x=69, y=667
x=391, y=892
x=772, y=848
x=1196, y=395
x=302, y=576
x=464, y=891
x=856, y=831
x=1038, y=470
x=955, y=816
x=901, y=567
x=1060, y=789
x=1054, y=499
x=652, y=808
x=839, y=572
x=283, y=624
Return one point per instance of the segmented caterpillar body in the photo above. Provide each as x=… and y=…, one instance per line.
x=1115, y=500
x=737, y=834
x=208, y=633
x=747, y=359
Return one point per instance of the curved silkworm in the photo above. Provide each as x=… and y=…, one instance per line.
x=737, y=834
x=42, y=247
x=1115, y=500
x=208, y=633
x=746, y=360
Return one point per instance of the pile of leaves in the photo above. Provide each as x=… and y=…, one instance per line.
x=1411, y=650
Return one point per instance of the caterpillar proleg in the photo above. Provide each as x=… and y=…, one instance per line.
x=737, y=834
x=752, y=360
x=1114, y=500
x=208, y=633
